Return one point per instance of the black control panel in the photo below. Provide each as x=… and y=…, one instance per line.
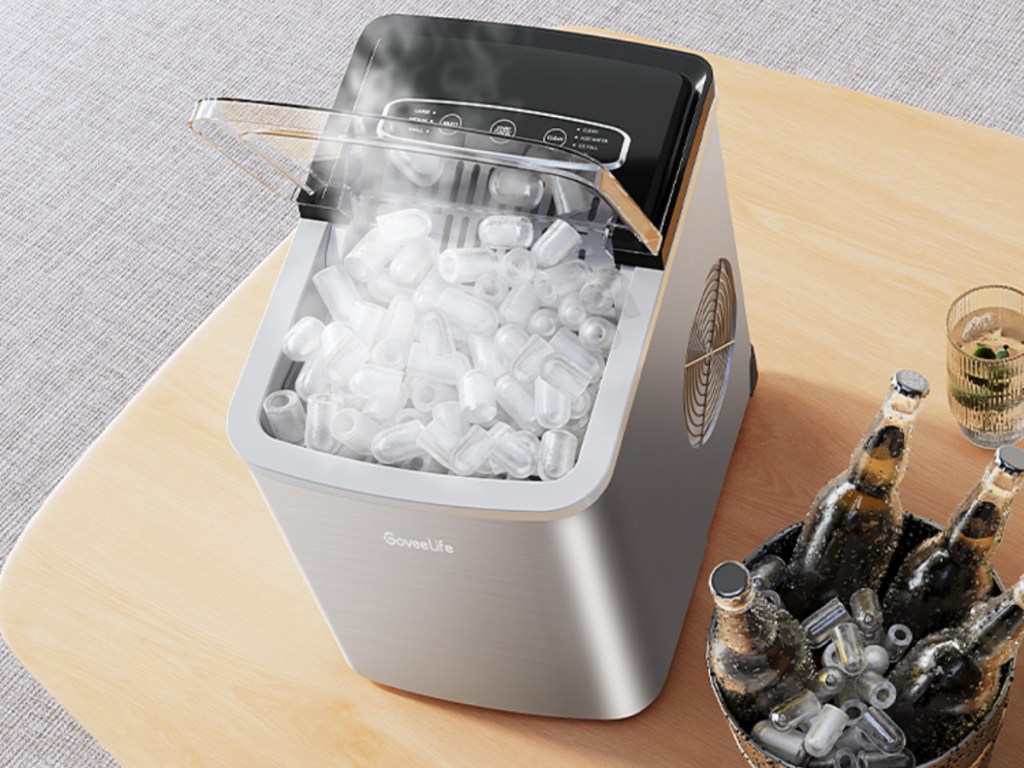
x=633, y=108
x=606, y=144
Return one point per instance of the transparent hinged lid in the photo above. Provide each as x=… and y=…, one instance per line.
x=345, y=166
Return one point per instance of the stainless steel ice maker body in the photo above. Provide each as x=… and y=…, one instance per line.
x=562, y=598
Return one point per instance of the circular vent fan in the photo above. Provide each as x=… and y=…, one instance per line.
x=709, y=353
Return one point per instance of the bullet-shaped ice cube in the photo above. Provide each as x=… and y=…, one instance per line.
x=825, y=730
x=428, y=292
x=337, y=291
x=504, y=231
x=484, y=352
x=559, y=281
x=867, y=613
x=411, y=262
x=569, y=196
x=426, y=393
x=553, y=407
x=510, y=340
x=312, y=377
x=491, y=288
x=517, y=265
x=517, y=402
x=468, y=312
x=820, y=623
x=787, y=745
x=876, y=690
x=882, y=730
x=519, y=304
x=558, y=243
x=526, y=367
x=827, y=682
x=384, y=290
x=543, y=322
x=568, y=345
x=580, y=405
x=517, y=188
x=392, y=351
x=449, y=413
x=366, y=257
x=795, y=710
x=596, y=334
x=849, y=648
x=516, y=454
x=565, y=375
x=872, y=758
x=395, y=444
x=438, y=441
x=465, y=265
x=601, y=292
x=435, y=334
x=321, y=409
x=897, y=640
x=446, y=369
x=477, y=400
x=366, y=321
x=285, y=416
x=557, y=453
x=472, y=450
x=422, y=169
x=571, y=311
x=302, y=340
x=375, y=382
x=347, y=355
x=355, y=430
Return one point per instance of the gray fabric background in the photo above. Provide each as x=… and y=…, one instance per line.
x=115, y=242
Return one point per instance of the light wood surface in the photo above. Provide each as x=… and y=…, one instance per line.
x=154, y=597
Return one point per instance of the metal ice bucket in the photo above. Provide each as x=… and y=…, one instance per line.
x=974, y=751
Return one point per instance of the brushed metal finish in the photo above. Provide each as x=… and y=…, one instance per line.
x=572, y=614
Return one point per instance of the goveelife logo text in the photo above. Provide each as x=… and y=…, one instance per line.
x=427, y=545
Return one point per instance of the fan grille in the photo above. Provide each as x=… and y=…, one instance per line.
x=709, y=353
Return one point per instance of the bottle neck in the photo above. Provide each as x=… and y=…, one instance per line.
x=748, y=623
x=992, y=635
x=878, y=464
x=977, y=527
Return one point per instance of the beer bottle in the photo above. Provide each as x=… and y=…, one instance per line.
x=948, y=573
x=852, y=528
x=949, y=681
x=759, y=653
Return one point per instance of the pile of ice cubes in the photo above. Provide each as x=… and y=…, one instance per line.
x=840, y=719
x=477, y=361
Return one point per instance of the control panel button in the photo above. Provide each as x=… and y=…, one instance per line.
x=452, y=120
x=555, y=136
x=504, y=128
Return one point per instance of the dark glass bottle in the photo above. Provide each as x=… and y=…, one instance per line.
x=949, y=680
x=855, y=522
x=759, y=653
x=948, y=573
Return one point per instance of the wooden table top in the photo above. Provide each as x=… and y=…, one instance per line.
x=155, y=599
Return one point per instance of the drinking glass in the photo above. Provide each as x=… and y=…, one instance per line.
x=985, y=364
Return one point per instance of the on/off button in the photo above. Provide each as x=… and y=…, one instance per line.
x=555, y=136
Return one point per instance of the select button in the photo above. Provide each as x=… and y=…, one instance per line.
x=451, y=120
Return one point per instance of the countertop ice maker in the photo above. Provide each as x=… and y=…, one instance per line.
x=566, y=597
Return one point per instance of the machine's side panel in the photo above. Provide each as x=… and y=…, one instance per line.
x=665, y=490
